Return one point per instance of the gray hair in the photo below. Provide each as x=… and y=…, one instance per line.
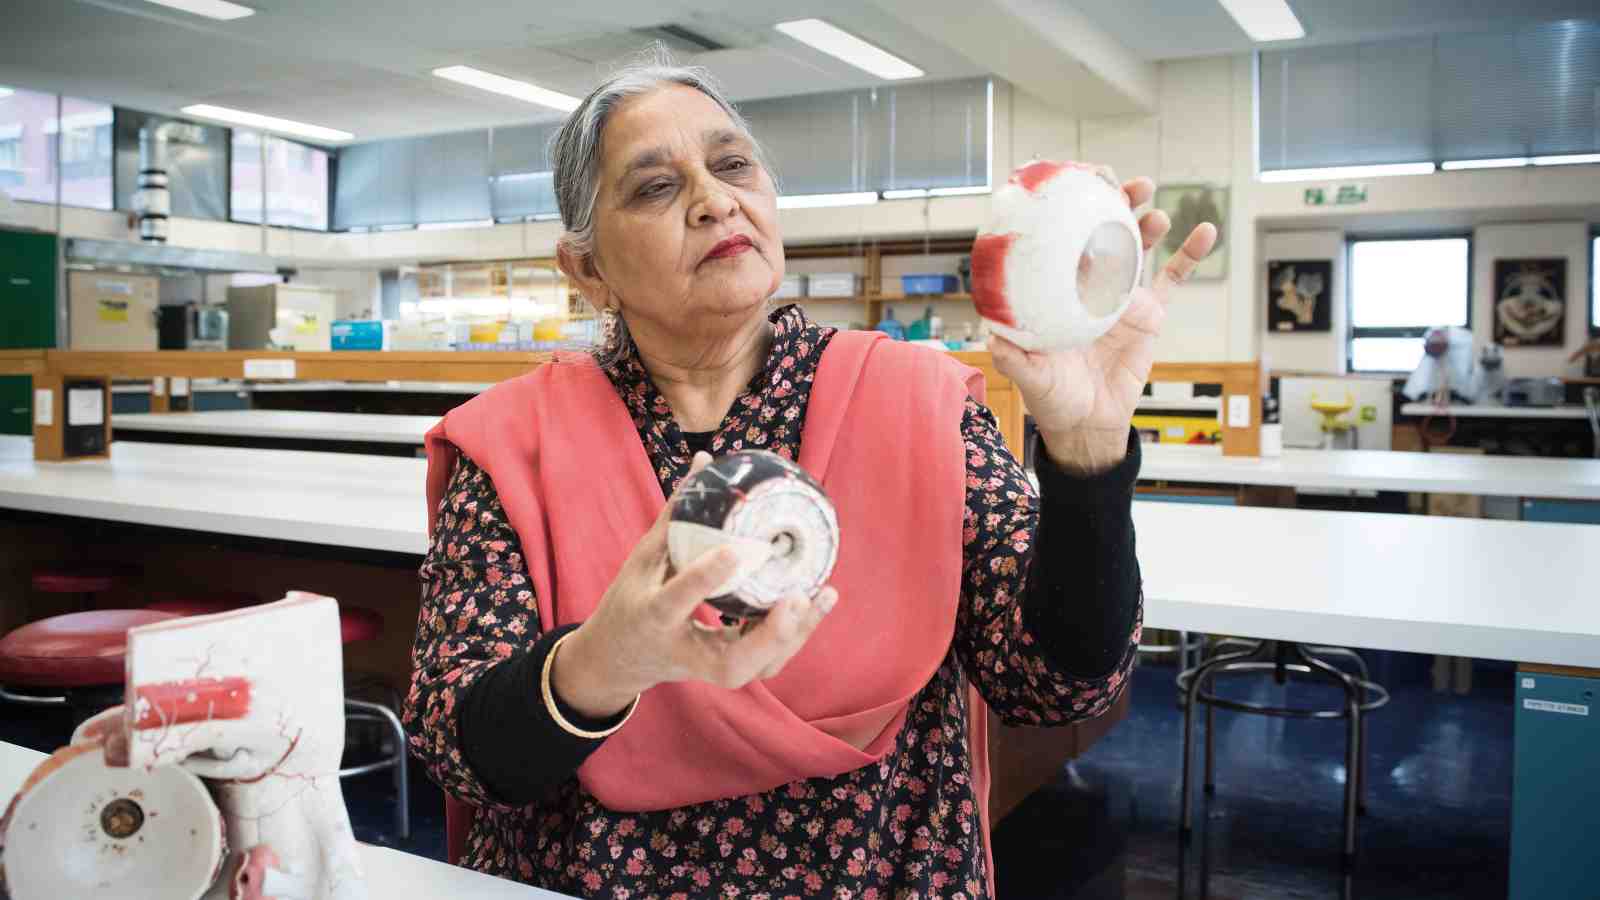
x=575, y=149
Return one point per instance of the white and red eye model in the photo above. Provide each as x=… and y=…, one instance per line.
x=1056, y=265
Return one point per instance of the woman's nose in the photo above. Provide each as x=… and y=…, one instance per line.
x=715, y=204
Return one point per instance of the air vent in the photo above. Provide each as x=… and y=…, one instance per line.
x=682, y=40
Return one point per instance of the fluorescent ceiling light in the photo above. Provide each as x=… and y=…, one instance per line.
x=1570, y=159
x=267, y=123
x=1278, y=175
x=211, y=9
x=853, y=50
x=1265, y=20
x=1509, y=162
x=5, y=92
x=451, y=226
x=511, y=87
x=546, y=217
x=908, y=194
x=815, y=201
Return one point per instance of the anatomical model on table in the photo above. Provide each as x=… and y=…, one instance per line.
x=218, y=778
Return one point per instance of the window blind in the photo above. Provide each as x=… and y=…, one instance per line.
x=1531, y=91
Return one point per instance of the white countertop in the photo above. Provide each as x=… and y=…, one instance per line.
x=413, y=387
x=1425, y=584
x=338, y=499
x=1378, y=470
x=390, y=873
x=277, y=423
x=1494, y=411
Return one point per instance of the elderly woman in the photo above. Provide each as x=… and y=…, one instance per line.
x=603, y=745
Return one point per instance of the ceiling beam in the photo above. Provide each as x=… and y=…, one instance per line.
x=1044, y=47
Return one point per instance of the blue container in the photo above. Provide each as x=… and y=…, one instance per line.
x=1555, y=797
x=929, y=284
x=357, y=335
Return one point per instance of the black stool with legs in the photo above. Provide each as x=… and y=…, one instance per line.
x=1282, y=659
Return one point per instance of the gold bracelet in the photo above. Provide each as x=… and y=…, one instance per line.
x=555, y=710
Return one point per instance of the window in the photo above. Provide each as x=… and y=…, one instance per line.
x=196, y=163
x=82, y=138
x=294, y=181
x=27, y=163
x=1594, y=286
x=1399, y=288
x=11, y=148
x=1510, y=92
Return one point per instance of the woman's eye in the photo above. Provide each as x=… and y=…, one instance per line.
x=735, y=165
x=654, y=189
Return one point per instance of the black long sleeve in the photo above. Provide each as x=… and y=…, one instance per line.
x=508, y=735
x=1083, y=588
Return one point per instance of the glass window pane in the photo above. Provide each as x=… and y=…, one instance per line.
x=85, y=140
x=1419, y=283
x=297, y=185
x=27, y=145
x=1594, y=286
x=244, y=202
x=1385, y=354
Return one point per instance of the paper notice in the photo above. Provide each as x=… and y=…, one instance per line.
x=180, y=387
x=86, y=406
x=44, y=407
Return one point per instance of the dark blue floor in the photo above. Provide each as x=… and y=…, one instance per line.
x=1439, y=800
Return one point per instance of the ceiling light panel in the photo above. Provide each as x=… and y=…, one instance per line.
x=267, y=123
x=843, y=45
x=211, y=9
x=510, y=87
x=1265, y=20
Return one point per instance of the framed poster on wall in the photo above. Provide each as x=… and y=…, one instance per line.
x=1299, y=295
x=1530, y=308
x=1188, y=205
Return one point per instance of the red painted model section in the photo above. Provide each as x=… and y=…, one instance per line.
x=989, y=277
x=194, y=700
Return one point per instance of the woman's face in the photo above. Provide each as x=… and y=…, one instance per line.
x=686, y=229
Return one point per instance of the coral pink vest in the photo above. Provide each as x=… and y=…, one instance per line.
x=882, y=434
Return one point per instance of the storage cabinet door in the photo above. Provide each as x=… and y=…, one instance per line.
x=27, y=316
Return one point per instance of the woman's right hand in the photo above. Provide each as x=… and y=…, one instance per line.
x=641, y=635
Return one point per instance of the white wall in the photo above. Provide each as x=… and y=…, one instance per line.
x=360, y=293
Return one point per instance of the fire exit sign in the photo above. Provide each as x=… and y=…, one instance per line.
x=1336, y=195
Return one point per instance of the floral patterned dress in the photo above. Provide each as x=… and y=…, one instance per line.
x=905, y=827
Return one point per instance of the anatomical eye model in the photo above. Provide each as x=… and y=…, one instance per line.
x=1056, y=265
x=773, y=515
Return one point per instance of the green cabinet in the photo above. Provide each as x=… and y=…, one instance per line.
x=27, y=315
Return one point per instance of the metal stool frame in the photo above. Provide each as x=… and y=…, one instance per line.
x=1281, y=658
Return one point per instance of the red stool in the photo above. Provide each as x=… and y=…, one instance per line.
x=74, y=659
x=205, y=604
x=358, y=623
x=83, y=579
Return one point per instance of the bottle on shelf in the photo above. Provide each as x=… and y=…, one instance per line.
x=890, y=325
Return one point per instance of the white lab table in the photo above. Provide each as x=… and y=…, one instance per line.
x=1460, y=587
x=390, y=873
x=1378, y=470
x=283, y=424
x=268, y=387
x=1494, y=411
x=338, y=499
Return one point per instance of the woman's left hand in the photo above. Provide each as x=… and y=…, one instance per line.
x=1083, y=399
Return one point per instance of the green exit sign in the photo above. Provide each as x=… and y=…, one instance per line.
x=1336, y=195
